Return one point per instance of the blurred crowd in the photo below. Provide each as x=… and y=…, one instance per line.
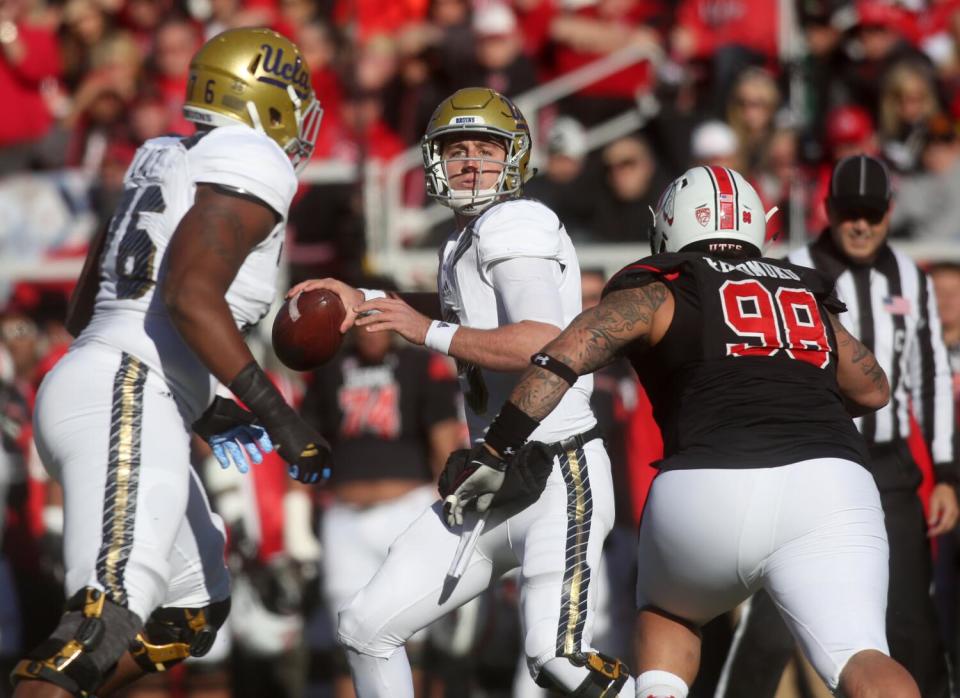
x=777, y=90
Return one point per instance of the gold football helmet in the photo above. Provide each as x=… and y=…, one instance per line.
x=258, y=78
x=482, y=111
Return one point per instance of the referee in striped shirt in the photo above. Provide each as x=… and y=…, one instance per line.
x=892, y=310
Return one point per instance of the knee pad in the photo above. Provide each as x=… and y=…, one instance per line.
x=605, y=676
x=85, y=647
x=172, y=634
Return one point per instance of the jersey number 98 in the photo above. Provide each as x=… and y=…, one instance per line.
x=786, y=321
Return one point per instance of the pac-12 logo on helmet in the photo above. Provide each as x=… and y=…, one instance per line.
x=709, y=203
x=256, y=77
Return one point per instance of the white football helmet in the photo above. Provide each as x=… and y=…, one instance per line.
x=708, y=203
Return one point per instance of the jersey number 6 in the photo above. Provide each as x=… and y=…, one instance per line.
x=788, y=321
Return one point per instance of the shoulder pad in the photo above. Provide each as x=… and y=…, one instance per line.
x=517, y=228
x=645, y=271
x=241, y=158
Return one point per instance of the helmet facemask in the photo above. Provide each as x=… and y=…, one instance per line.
x=309, y=116
x=471, y=202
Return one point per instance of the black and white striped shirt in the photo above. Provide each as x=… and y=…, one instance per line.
x=891, y=308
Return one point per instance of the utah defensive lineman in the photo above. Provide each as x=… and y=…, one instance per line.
x=188, y=263
x=753, y=380
x=509, y=280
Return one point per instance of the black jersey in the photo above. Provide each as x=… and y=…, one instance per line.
x=378, y=417
x=746, y=375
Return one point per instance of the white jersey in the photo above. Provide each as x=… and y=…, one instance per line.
x=509, y=230
x=159, y=189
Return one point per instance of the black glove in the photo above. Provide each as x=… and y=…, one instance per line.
x=222, y=415
x=302, y=446
x=525, y=475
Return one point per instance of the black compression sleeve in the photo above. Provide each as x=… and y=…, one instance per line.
x=259, y=394
x=510, y=430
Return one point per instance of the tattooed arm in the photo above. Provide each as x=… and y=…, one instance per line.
x=862, y=381
x=594, y=339
x=210, y=244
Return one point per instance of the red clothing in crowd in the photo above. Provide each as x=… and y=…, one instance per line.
x=534, y=23
x=752, y=24
x=644, y=446
x=371, y=17
x=337, y=141
x=172, y=91
x=28, y=118
x=625, y=83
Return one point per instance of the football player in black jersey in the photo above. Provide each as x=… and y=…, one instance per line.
x=753, y=382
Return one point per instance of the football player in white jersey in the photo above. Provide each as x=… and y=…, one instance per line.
x=509, y=280
x=188, y=263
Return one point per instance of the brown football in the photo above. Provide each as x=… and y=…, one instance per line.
x=306, y=331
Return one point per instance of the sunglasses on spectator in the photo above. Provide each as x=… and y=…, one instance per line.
x=855, y=213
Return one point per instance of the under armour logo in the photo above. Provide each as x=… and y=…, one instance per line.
x=442, y=324
x=509, y=451
x=541, y=359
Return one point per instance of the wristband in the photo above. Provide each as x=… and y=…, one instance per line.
x=510, y=430
x=555, y=366
x=440, y=335
x=370, y=294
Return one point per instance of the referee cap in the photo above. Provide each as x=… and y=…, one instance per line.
x=860, y=184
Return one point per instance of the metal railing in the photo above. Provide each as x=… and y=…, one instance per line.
x=391, y=225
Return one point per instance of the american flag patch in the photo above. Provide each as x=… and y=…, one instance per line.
x=896, y=305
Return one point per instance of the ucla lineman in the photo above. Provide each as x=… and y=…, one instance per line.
x=509, y=281
x=188, y=263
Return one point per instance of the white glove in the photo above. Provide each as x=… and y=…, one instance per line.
x=478, y=483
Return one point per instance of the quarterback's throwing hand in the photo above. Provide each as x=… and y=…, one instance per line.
x=394, y=314
x=470, y=478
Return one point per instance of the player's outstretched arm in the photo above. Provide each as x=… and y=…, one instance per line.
x=862, y=381
x=631, y=316
x=594, y=339
x=206, y=252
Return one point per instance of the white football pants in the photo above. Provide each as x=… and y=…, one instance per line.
x=557, y=542
x=137, y=523
x=810, y=533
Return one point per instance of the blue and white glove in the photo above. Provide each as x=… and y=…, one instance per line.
x=230, y=430
x=229, y=447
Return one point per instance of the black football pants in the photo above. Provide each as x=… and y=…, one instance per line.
x=763, y=646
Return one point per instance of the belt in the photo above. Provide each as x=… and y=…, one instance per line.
x=572, y=443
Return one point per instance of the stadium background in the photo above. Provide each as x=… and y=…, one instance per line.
x=621, y=95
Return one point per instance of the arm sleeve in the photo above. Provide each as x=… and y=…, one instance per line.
x=526, y=289
x=931, y=386
x=517, y=229
x=242, y=159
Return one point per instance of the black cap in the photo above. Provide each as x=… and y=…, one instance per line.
x=860, y=183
